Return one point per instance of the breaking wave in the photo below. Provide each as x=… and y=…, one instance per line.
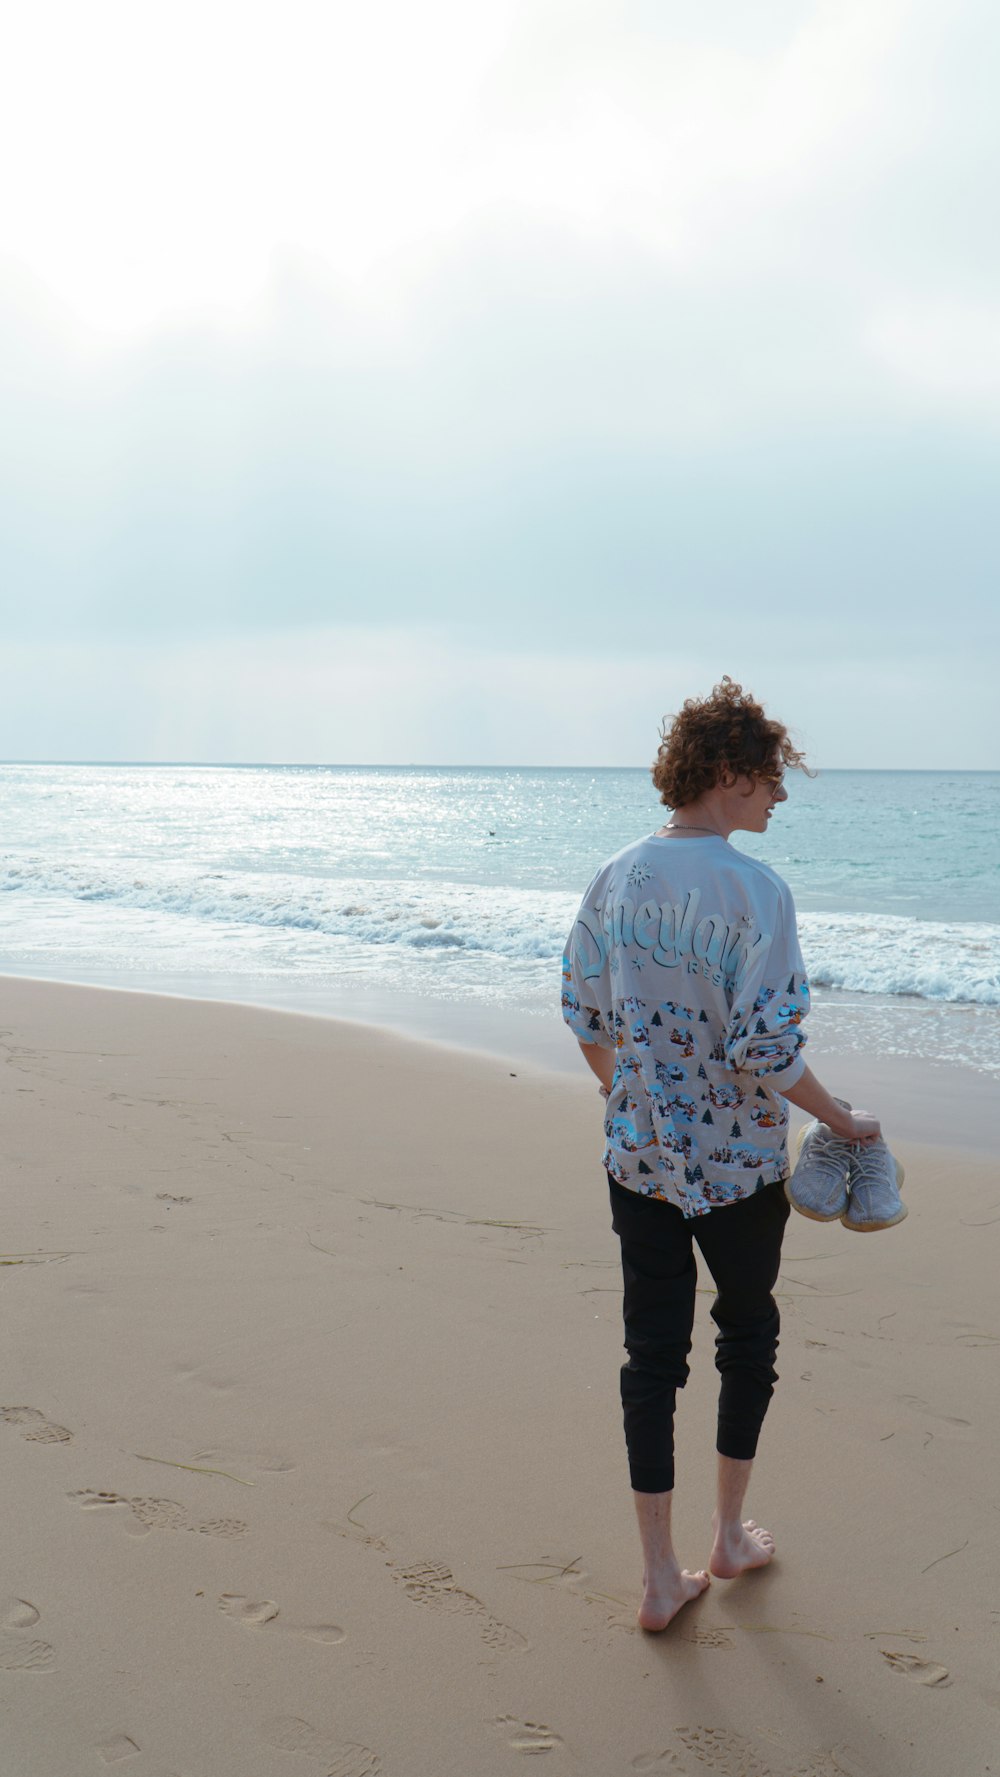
x=881, y=954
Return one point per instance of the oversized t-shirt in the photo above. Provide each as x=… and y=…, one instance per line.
x=685, y=959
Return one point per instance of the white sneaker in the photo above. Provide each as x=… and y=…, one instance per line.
x=873, y=1182
x=818, y=1186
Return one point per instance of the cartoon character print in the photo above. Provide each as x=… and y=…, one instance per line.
x=735, y=1153
x=670, y=1106
x=580, y=1017
x=658, y=1099
x=678, y=1141
x=780, y=1066
x=615, y=1166
x=693, y=1175
x=682, y=1107
x=661, y=1162
x=633, y=1008
x=669, y=1074
x=726, y=1097
x=627, y=1139
x=790, y=1012
x=720, y=1192
x=768, y=1116
x=654, y=1142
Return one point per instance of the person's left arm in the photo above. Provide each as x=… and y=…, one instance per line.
x=601, y=1062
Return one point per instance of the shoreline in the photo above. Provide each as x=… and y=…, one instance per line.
x=933, y=1103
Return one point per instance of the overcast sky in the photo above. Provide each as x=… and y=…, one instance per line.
x=470, y=382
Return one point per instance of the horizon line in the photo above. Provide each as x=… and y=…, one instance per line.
x=429, y=765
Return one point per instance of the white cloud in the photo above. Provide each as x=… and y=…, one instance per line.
x=168, y=157
x=672, y=135
x=948, y=352
x=405, y=696
x=166, y=153
x=625, y=323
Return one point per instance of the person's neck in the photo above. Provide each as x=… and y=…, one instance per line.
x=704, y=821
x=706, y=816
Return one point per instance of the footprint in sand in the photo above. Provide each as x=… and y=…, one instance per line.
x=19, y=1613
x=732, y=1756
x=711, y=1638
x=340, y=1758
x=158, y=1514
x=264, y=1613
x=432, y=1584
x=35, y=1427
x=920, y=1671
x=729, y=1754
x=528, y=1736
x=18, y=1652
x=837, y=1762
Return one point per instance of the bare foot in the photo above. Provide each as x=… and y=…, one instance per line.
x=738, y=1548
x=664, y=1595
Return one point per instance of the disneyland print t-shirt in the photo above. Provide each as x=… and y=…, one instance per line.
x=685, y=959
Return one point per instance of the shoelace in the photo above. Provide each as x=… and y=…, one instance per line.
x=827, y=1146
x=872, y=1165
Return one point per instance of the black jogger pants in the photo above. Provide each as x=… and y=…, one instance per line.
x=741, y=1245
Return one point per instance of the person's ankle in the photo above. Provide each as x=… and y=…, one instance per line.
x=726, y=1526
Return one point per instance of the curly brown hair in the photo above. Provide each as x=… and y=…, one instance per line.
x=715, y=737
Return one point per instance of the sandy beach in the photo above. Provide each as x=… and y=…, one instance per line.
x=312, y=1441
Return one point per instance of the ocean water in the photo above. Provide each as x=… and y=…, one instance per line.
x=354, y=889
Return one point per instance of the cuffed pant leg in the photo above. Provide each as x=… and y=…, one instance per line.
x=741, y=1243
x=659, y=1273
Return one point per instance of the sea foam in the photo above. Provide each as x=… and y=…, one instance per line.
x=868, y=953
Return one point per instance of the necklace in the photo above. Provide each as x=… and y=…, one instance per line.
x=683, y=827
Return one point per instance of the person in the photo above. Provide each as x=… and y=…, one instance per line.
x=685, y=987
